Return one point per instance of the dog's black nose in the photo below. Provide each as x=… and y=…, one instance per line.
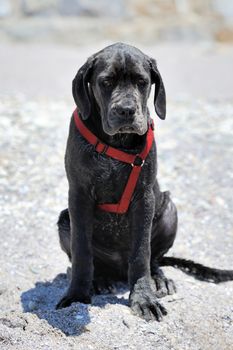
x=125, y=110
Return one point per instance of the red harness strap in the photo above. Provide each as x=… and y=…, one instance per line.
x=136, y=161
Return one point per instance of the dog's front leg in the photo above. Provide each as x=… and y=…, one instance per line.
x=142, y=298
x=81, y=217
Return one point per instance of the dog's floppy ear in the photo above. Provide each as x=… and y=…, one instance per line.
x=160, y=95
x=80, y=88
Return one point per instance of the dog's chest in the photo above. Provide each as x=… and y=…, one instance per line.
x=111, y=230
x=107, y=178
x=111, y=177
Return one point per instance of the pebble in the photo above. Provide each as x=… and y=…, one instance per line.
x=32, y=305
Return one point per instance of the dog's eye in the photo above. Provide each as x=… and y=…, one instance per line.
x=141, y=82
x=107, y=83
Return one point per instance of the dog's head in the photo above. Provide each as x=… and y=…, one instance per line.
x=119, y=80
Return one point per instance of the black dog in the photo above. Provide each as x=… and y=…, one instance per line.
x=111, y=91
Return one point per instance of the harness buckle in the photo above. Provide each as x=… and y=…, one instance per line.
x=138, y=161
x=152, y=124
x=102, y=149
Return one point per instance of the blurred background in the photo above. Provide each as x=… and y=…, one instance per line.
x=145, y=21
x=43, y=42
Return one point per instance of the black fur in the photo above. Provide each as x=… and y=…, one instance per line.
x=197, y=270
x=111, y=92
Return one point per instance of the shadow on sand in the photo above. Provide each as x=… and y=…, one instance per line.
x=42, y=299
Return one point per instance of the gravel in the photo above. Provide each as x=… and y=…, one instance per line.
x=195, y=146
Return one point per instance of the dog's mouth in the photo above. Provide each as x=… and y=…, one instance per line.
x=132, y=128
x=127, y=130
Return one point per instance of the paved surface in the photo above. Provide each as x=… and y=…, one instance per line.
x=195, y=146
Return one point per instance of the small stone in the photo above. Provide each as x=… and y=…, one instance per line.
x=32, y=305
x=79, y=317
x=125, y=323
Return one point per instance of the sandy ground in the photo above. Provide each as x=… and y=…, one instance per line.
x=195, y=146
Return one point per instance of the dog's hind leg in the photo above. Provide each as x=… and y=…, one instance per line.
x=104, y=274
x=162, y=238
x=64, y=232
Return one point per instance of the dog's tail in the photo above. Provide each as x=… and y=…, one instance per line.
x=197, y=270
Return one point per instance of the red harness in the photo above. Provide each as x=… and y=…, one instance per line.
x=136, y=161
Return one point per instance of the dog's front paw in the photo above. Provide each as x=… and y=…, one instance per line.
x=68, y=299
x=144, y=303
